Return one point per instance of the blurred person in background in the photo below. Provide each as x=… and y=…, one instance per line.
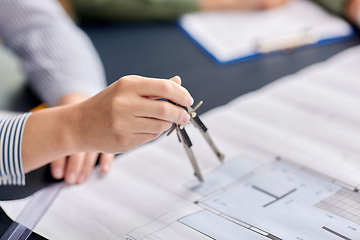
x=349, y=9
x=116, y=10
x=59, y=63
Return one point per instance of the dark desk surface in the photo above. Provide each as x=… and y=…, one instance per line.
x=162, y=50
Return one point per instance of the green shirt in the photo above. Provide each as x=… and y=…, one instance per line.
x=335, y=6
x=116, y=10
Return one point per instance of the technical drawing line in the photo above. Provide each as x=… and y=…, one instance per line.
x=336, y=233
x=261, y=190
x=280, y=197
x=241, y=223
x=344, y=203
x=272, y=195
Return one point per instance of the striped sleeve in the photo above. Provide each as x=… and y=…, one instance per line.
x=11, y=131
x=57, y=57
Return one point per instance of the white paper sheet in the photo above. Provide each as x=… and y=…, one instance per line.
x=233, y=35
x=310, y=118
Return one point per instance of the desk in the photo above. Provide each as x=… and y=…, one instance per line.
x=161, y=50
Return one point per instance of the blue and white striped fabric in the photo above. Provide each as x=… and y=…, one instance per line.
x=11, y=130
x=57, y=59
x=56, y=56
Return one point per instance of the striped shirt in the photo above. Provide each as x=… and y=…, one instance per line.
x=57, y=59
x=11, y=129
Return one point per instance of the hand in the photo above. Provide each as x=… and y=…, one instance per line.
x=76, y=168
x=126, y=114
x=211, y=5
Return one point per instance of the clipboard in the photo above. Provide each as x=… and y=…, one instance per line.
x=236, y=36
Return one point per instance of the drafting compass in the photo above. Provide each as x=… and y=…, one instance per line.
x=185, y=140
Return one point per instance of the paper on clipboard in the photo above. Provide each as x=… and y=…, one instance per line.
x=240, y=35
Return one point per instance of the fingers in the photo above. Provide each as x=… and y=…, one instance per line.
x=159, y=87
x=106, y=161
x=76, y=168
x=73, y=168
x=151, y=125
x=161, y=110
x=57, y=168
x=88, y=165
x=126, y=108
x=134, y=140
x=176, y=79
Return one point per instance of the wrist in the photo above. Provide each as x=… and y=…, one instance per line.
x=71, y=98
x=48, y=135
x=69, y=129
x=75, y=122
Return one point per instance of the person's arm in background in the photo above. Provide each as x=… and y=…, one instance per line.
x=60, y=63
x=349, y=9
x=68, y=7
x=353, y=11
x=116, y=10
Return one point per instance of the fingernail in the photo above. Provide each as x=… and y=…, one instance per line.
x=71, y=178
x=82, y=178
x=58, y=173
x=191, y=101
x=186, y=118
x=107, y=167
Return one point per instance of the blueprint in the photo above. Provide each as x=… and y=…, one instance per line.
x=291, y=171
x=279, y=203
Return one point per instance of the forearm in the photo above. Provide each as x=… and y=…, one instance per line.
x=50, y=134
x=353, y=11
x=47, y=135
x=68, y=7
